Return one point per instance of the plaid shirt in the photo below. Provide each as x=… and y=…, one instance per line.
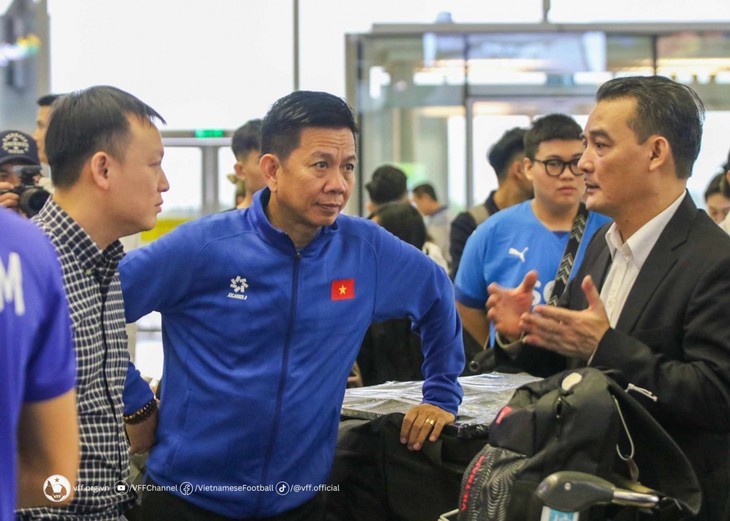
x=97, y=313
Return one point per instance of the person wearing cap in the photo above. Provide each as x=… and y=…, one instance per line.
x=17, y=149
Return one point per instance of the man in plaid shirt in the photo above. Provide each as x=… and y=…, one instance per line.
x=105, y=154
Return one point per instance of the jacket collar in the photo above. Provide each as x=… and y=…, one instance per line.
x=279, y=239
x=662, y=257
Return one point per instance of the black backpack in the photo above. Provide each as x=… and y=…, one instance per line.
x=579, y=420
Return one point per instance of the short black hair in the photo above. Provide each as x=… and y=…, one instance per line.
x=425, y=189
x=403, y=221
x=718, y=185
x=663, y=107
x=87, y=121
x=47, y=100
x=283, y=123
x=247, y=138
x=547, y=128
x=503, y=153
x=389, y=183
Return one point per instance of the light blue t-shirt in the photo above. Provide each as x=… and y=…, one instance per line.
x=507, y=246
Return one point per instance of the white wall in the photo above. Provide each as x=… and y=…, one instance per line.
x=646, y=11
x=324, y=24
x=218, y=63
x=201, y=64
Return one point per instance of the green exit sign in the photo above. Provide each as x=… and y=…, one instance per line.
x=209, y=132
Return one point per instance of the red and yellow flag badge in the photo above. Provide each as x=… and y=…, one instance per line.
x=343, y=289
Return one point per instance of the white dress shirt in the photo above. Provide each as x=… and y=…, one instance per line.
x=628, y=259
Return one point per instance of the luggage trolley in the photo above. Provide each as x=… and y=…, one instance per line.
x=542, y=457
x=566, y=493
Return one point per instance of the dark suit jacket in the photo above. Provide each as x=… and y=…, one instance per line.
x=673, y=339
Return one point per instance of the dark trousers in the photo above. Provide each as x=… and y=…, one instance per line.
x=163, y=506
x=380, y=479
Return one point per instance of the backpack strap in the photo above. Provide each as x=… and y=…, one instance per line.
x=479, y=213
x=571, y=250
x=665, y=468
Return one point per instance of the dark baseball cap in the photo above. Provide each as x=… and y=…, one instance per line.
x=18, y=147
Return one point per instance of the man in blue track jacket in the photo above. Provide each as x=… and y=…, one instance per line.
x=264, y=310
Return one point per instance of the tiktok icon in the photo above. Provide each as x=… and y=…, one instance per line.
x=282, y=488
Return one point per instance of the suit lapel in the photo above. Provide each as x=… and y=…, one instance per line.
x=599, y=268
x=663, y=256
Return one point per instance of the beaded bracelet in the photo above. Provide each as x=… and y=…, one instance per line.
x=142, y=414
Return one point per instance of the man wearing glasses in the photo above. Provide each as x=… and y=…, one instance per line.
x=531, y=235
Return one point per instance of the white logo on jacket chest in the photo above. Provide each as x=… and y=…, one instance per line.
x=239, y=286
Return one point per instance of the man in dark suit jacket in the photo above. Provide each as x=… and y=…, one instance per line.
x=662, y=313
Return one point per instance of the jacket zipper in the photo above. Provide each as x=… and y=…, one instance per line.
x=283, y=374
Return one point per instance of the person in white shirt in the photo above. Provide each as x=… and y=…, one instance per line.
x=435, y=214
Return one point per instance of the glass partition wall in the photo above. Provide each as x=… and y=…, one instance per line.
x=433, y=98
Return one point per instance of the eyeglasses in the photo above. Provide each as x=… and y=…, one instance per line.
x=555, y=167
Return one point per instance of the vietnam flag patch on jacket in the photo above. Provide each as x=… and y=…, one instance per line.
x=343, y=289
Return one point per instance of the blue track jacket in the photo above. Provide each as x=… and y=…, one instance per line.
x=259, y=340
